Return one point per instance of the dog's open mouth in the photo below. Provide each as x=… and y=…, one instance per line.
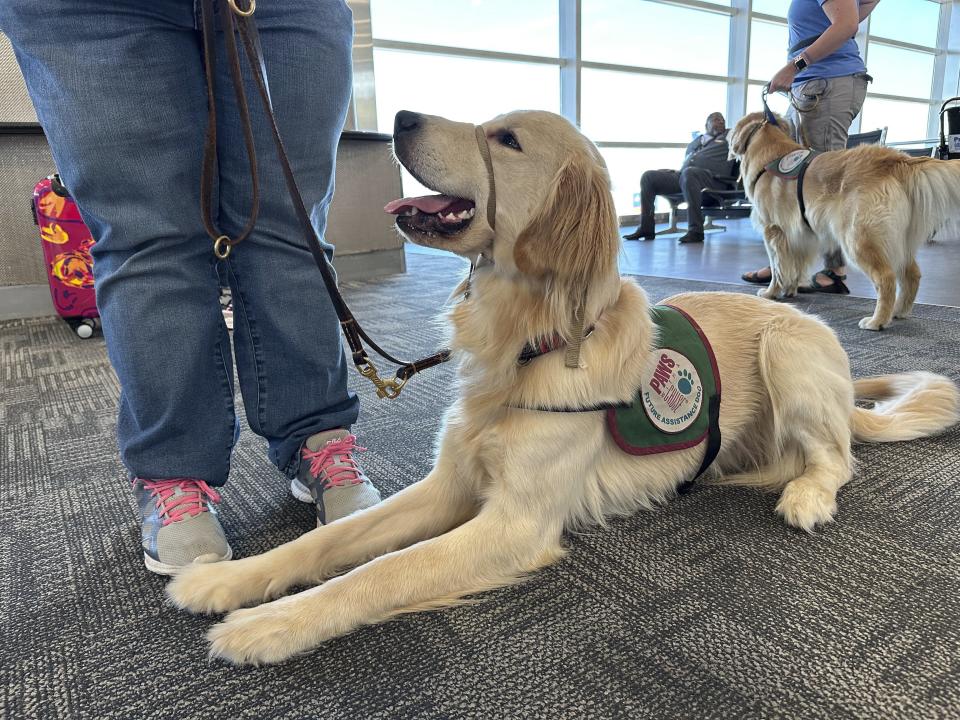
x=432, y=214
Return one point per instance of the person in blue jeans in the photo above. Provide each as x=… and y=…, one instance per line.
x=120, y=90
x=827, y=80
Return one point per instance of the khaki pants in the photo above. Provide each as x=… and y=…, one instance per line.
x=821, y=113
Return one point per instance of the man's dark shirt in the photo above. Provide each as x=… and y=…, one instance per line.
x=709, y=153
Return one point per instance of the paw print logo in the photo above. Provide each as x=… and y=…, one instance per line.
x=685, y=383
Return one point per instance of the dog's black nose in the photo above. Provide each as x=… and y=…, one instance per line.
x=405, y=122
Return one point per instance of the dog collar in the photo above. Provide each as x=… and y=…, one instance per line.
x=535, y=348
x=746, y=143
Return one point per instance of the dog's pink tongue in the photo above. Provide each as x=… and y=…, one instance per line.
x=428, y=204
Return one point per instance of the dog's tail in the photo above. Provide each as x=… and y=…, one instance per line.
x=908, y=406
x=934, y=190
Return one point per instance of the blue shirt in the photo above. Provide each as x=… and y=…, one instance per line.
x=806, y=18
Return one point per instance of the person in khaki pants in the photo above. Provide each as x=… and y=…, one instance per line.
x=827, y=80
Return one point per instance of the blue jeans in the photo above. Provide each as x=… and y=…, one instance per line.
x=120, y=90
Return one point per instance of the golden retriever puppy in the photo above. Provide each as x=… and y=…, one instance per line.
x=874, y=203
x=525, y=450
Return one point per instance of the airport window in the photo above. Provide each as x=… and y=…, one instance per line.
x=768, y=49
x=461, y=88
x=620, y=107
x=902, y=73
x=626, y=165
x=771, y=7
x=909, y=21
x=896, y=71
x=623, y=106
x=653, y=35
x=648, y=72
x=905, y=121
x=530, y=27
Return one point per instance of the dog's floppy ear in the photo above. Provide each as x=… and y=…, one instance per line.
x=574, y=236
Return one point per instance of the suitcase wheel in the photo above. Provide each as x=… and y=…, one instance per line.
x=85, y=327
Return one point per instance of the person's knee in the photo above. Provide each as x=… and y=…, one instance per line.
x=691, y=179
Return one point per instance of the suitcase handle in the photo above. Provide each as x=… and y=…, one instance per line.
x=56, y=184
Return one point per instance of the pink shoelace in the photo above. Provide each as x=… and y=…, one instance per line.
x=336, y=461
x=189, y=502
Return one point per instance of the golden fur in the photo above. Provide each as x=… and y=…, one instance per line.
x=506, y=481
x=876, y=204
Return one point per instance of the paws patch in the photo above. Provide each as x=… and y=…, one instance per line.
x=672, y=394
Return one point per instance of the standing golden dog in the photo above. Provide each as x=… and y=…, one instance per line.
x=876, y=204
x=508, y=480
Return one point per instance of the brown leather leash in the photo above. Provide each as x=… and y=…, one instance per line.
x=233, y=19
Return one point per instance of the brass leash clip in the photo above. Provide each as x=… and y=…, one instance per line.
x=389, y=388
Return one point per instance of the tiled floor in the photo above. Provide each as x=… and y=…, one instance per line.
x=725, y=255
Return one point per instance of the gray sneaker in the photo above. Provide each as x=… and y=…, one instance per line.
x=331, y=478
x=180, y=525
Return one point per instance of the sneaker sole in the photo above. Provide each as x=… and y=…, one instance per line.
x=300, y=491
x=160, y=568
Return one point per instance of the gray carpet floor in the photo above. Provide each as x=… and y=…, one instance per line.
x=707, y=608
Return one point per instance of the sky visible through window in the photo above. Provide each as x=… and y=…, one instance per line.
x=768, y=49
x=527, y=27
x=647, y=34
x=912, y=21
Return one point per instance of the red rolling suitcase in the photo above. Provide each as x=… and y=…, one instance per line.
x=66, y=250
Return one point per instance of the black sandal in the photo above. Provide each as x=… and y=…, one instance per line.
x=836, y=287
x=754, y=277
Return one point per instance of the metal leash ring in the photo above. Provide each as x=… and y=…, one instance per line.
x=222, y=247
x=243, y=13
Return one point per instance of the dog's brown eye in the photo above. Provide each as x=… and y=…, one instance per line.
x=510, y=140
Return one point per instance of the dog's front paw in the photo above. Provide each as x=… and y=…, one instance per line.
x=219, y=587
x=805, y=505
x=868, y=323
x=768, y=294
x=262, y=635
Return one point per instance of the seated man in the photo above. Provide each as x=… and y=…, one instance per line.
x=707, y=158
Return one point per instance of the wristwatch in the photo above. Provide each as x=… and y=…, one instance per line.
x=800, y=62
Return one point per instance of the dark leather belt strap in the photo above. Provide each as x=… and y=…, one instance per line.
x=352, y=330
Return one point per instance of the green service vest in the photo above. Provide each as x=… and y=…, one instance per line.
x=793, y=165
x=677, y=405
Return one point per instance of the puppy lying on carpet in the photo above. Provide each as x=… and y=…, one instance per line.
x=553, y=344
x=876, y=204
